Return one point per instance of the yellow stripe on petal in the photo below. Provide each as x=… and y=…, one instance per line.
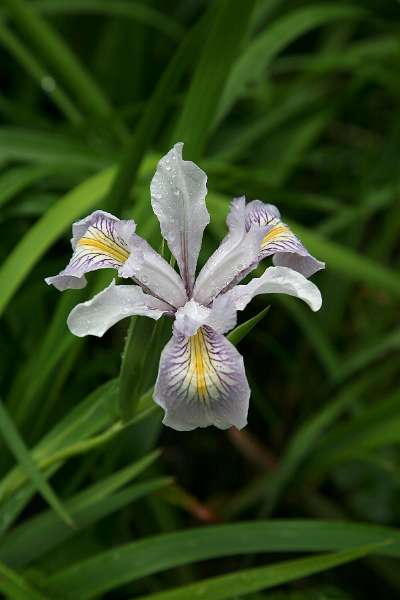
x=98, y=243
x=274, y=234
x=199, y=352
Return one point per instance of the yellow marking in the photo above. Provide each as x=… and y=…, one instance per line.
x=274, y=234
x=199, y=351
x=105, y=247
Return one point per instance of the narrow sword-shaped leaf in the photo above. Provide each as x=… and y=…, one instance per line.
x=24, y=457
x=229, y=23
x=260, y=578
x=131, y=562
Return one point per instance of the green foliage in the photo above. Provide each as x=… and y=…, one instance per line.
x=295, y=104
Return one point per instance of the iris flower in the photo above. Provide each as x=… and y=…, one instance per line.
x=201, y=379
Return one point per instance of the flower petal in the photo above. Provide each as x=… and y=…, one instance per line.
x=153, y=273
x=114, y=303
x=178, y=192
x=279, y=241
x=99, y=241
x=201, y=382
x=235, y=257
x=221, y=316
x=278, y=280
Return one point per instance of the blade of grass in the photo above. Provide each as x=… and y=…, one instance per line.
x=306, y=437
x=237, y=334
x=17, y=587
x=229, y=23
x=152, y=117
x=50, y=148
x=155, y=554
x=17, y=49
x=24, y=457
x=117, y=8
x=45, y=231
x=60, y=58
x=324, y=350
x=363, y=358
x=17, y=179
x=46, y=531
x=260, y=578
x=347, y=262
x=254, y=61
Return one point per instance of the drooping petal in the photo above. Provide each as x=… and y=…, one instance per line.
x=278, y=280
x=114, y=303
x=201, y=382
x=279, y=241
x=237, y=254
x=99, y=241
x=178, y=192
x=153, y=273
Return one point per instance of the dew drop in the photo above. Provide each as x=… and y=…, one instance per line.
x=48, y=84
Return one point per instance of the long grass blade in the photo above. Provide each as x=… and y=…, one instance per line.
x=24, y=457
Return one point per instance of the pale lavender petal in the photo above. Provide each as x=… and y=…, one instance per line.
x=114, y=303
x=178, y=192
x=153, y=273
x=279, y=241
x=237, y=254
x=221, y=317
x=99, y=241
x=278, y=280
x=223, y=314
x=201, y=382
x=190, y=317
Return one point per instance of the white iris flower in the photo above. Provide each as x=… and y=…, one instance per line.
x=201, y=379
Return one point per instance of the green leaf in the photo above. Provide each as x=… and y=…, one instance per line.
x=254, y=61
x=15, y=180
x=377, y=426
x=53, y=148
x=152, y=117
x=364, y=357
x=228, y=28
x=59, y=57
x=24, y=457
x=131, y=562
x=45, y=231
x=36, y=536
x=17, y=587
x=117, y=8
x=39, y=74
x=132, y=365
x=347, y=262
x=260, y=578
x=237, y=334
x=306, y=437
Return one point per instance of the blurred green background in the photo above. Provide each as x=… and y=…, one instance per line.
x=295, y=103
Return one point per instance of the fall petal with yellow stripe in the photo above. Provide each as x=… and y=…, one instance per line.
x=99, y=241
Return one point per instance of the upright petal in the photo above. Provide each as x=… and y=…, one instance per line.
x=279, y=241
x=111, y=305
x=278, y=280
x=153, y=273
x=201, y=382
x=237, y=254
x=178, y=192
x=99, y=241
